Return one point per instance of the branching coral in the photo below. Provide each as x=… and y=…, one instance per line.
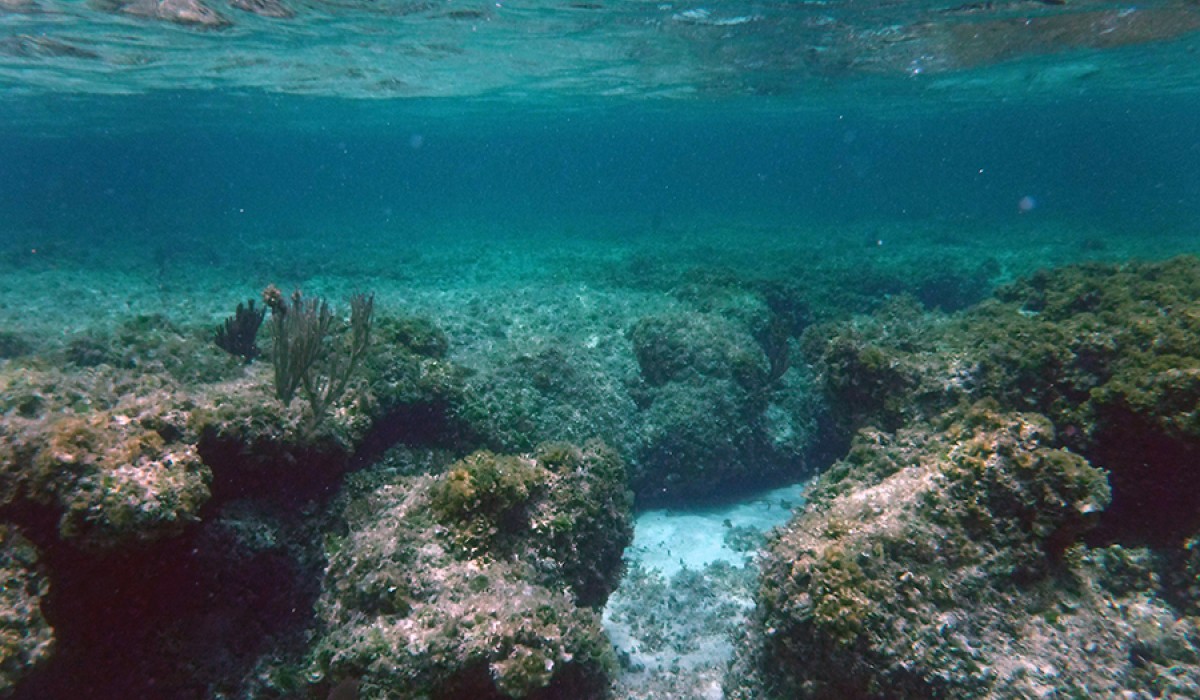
x=304, y=355
x=238, y=335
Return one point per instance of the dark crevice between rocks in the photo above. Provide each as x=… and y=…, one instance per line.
x=422, y=425
x=1155, y=502
x=283, y=473
x=184, y=619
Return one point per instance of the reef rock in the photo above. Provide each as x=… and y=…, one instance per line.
x=1110, y=354
x=713, y=415
x=187, y=12
x=264, y=8
x=483, y=582
x=945, y=560
x=117, y=469
x=26, y=639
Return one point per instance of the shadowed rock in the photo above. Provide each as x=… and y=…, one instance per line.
x=187, y=12
x=264, y=8
x=27, y=46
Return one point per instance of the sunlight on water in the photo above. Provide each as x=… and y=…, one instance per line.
x=539, y=51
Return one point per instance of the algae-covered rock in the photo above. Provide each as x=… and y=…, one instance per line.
x=1109, y=353
x=256, y=447
x=709, y=370
x=118, y=481
x=867, y=370
x=709, y=411
x=152, y=345
x=414, y=388
x=944, y=560
x=698, y=438
x=973, y=554
x=26, y=639
x=676, y=347
x=484, y=581
x=115, y=459
x=552, y=387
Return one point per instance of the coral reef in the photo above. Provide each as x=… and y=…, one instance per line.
x=117, y=474
x=1106, y=352
x=703, y=365
x=1014, y=484
x=238, y=334
x=408, y=393
x=482, y=582
x=709, y=415
x=178, y=508
x=969, y=553
x=304, y=354
x=705, y=391
x=26, y=639
x=945, y=560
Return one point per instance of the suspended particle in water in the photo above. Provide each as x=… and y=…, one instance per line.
x=1026, y=204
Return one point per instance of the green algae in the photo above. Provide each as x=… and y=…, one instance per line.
x=1008, y=461
x=483, y=579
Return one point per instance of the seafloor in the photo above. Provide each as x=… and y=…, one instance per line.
x=520, y=338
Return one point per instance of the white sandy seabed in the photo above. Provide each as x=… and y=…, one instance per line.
x=675, y=618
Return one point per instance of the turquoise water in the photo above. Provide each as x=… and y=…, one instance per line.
x=263, y=119
x=194, y=164
x=534, y=179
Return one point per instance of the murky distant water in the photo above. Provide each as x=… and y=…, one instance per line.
x=298, y=167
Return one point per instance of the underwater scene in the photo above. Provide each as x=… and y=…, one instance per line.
x=599, y=349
